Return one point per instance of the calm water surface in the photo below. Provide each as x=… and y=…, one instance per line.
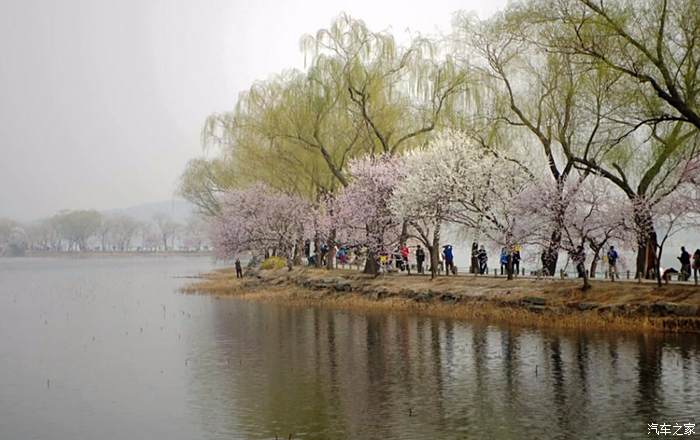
x=108, y=349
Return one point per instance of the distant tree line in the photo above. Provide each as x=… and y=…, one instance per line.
x=90, y=230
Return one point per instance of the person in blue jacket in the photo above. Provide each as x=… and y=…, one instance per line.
x=504, y=260
x=448, y=256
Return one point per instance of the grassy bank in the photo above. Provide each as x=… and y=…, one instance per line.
x=545, y=303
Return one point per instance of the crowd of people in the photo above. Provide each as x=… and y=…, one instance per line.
x=403, y=259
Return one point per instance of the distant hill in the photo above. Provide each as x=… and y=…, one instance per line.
x=179, y=210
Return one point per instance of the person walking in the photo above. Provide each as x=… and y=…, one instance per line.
x=239, y=270
x=612, y=263
x=696, y=265
x=420, y=258
x=685, y=264
x=483, y=258
x=449, y=259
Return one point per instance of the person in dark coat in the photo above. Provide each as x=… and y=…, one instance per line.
x=612, y=263
x=685, y=264
x=420, y=258
x=483, y=258
x=239, y=270
x=516, y=259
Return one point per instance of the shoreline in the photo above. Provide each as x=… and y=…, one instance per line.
x=529, y=302
x=94, y=254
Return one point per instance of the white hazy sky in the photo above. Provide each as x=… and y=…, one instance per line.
x=102, y=101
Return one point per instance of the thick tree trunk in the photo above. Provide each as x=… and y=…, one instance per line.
x=647, y=245
x=330, y=255
x=298, y=250
x=434, y=260
x=550, y=255
x=317, y=252
x=509, y=266
x=371, y=266
x=586, y=284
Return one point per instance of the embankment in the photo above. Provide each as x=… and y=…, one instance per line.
x=543, y=302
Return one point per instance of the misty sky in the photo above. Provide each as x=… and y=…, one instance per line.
x=102, y=102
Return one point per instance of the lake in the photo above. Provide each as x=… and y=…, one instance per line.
x=107, y=348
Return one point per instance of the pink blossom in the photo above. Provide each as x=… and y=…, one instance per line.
x=259, y=219
x=361, y=211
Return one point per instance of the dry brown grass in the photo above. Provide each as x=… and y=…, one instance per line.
x=483, y=299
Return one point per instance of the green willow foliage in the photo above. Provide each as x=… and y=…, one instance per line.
x=362, y=93
x=587, y=86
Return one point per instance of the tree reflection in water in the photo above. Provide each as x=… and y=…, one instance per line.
x=318, y=373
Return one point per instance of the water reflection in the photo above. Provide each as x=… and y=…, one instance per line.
x=107, y=348
x=318, y=373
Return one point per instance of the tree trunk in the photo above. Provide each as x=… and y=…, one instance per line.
x=594, y=262
x=404, y=234
x=317, y=252
x=330, y=254
x=434, y=260
x=371, y=266
x=657, y=263
x=509, y=266
x=647, y=245
x=586, y=284
x=550, y=255
x=298, y=250
x=434, y=248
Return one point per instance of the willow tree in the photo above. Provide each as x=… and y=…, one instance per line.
x=398, y=95
x=655, y=43
x=556, y=107
x=203, y=181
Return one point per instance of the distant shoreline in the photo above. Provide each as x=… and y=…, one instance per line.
x=91, y=254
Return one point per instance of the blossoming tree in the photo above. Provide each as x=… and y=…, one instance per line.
x=259, y=220
x=421, y=200
x=590, y=211
x=361, y=211
x=459, y=180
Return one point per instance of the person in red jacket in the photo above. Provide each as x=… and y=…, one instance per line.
x=405, y=252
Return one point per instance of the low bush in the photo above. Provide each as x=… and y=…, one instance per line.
x=273, y=263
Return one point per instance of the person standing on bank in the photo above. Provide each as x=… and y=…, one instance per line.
x=696, y=265
x=612, y=263
x=405, y=254
x=483, y=258
x=516, y=259
x=449, y=259
x=239, y=271
x=685, y=264
x=420, y=258
x=504, y=260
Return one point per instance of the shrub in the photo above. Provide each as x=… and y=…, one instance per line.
x=273, y=263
